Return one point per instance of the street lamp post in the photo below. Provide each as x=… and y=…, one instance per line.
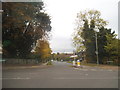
x=96, y=46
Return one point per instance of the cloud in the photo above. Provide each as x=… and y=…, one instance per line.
x=61, y=44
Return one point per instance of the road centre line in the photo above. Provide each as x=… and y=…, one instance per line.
x=84, y=78
x=18, y=78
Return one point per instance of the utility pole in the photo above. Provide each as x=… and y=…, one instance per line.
x=97, y=48
x=96, y=30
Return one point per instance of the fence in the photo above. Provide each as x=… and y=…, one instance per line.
x=20, y=61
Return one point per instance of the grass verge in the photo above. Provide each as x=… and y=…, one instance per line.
x=49, y=63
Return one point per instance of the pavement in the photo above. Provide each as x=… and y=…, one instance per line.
x=24, y=66
x=60, y=75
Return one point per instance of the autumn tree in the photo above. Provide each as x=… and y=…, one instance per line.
x=43, y=50
x=23, y=24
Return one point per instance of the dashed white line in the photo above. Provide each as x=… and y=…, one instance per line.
x=110, y=70
x=61, y=78
x=18, y=78
x=86, y=74
x=93, y=70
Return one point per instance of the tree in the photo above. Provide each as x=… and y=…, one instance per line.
x=23, y=24
x=84, y=35
x=43, y=50
x=102, y=42
x=112, y=47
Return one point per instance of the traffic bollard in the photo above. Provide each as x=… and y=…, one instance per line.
x=78, y=62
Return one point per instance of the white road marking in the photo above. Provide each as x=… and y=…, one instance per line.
x=101, y=69
x=76, y=68
x=86, y=74
x=18, y=78
x=110, y=70
x=61, y=78
x=83, y=69
x=93, y=69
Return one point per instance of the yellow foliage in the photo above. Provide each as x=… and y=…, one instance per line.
x=43, y=49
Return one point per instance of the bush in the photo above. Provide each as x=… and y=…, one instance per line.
x=49, y=63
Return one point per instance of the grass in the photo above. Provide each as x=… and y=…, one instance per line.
x=69, y=61
x=49, y=63
x=89, y=64
x=86, y=64
x=107, y=66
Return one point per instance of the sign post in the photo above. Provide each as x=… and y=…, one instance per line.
x=74, y=63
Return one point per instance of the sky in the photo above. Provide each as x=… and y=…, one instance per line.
x=63, y=14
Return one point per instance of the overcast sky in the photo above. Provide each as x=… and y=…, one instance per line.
x=63, y=14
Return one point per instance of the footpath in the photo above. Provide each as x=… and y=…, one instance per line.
x=108, y=67
x=24, y=66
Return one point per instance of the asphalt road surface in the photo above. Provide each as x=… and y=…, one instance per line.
x=60, y=75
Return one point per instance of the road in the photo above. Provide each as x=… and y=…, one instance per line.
x=60, y=75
